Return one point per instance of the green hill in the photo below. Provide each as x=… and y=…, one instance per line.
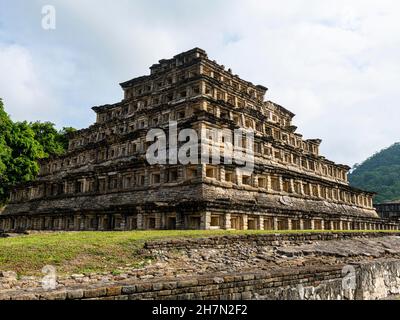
x=379, y=173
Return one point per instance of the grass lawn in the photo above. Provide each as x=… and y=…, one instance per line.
x=80, y=252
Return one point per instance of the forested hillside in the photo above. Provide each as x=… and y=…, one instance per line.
x=380, y=173
x=21, y=145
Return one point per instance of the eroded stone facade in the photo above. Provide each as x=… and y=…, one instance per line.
x=389, y=210
x=104, y=182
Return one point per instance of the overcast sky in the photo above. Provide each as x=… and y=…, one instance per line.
x=335, y=64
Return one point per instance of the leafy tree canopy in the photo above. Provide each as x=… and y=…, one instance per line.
x=22, y=144
x=380, y=173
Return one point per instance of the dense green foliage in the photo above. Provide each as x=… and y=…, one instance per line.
x=380, y=173
x=22, y=144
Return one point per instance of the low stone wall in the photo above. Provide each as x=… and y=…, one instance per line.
x=375, y=280
x=311, y=266
x=258, y=239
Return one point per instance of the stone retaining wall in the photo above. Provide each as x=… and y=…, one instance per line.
x=376, y=280
x=369, y=271
x=258, y=239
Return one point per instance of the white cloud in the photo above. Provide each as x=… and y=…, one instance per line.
x=20, y=85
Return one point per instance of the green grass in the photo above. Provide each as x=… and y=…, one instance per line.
x=84, y=252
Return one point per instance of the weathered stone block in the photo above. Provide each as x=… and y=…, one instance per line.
x=187, y=283
x=54, y=295
x=128, y=289
x=169, y=285
x=94, y=293
x=75, y=294
x=144, y=287
x=114, y=291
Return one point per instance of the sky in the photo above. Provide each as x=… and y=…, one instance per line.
x=334, y=63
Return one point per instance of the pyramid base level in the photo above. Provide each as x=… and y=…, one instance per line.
x=190, y=216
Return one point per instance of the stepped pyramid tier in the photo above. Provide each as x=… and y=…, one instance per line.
x=105, y=180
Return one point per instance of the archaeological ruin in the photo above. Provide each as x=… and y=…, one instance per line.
x=389, y=209
x=104, y=181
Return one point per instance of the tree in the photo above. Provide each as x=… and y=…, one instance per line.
x=63, y=136
x=5, y=150
x=26, y=150
x=22, y=144
x=380, y=173
x=48, y=137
